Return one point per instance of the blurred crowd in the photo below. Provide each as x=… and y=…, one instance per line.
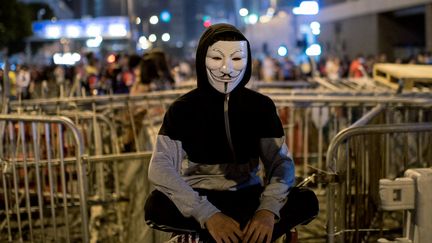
x=155, y=70
x=94, y=75
x=332, y=67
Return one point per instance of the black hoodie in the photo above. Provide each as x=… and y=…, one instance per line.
x=197, y=118
x=215, y=141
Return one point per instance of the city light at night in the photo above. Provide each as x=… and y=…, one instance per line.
x=66, y=58
x=144, y=121
x=243, y=12
x=165, y=16
x=142, y=39
x=53, y=31
x=313, y=50
x=73, y=31
x=95, y=42
x=207, y=23
x=154, y=19
x=252, y=19
x=111, y=58
x=143, y=43
x=307, y=8
x=152, y=38
x=138, y=20
x=282, y=51
x=117, y=30
x=315, y=28
x=94, y=30
x=114, y=27
x=166, y=37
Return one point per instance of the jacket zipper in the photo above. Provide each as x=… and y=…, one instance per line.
x=227, y=126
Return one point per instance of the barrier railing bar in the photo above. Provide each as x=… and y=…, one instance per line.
x=50, y=177
x=13, y=151
x=38, y=178
x=157, y=96
x=93, y=159
x=373, y=129
x=61, y=121
x=355, y=131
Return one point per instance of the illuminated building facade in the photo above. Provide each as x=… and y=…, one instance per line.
x=369, y=27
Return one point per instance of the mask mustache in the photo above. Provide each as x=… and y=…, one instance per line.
x=223, y=76
x=226, y=76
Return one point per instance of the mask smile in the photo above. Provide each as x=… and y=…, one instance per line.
x=225, y=78
x=226, y=64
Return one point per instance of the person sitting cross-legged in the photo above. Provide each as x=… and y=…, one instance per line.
x=220, y=166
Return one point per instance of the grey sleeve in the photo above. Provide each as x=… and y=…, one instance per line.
x=279, y=171
x=164, y=173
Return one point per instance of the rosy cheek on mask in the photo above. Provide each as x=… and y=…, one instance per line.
x=212, y=65
x=240, y=65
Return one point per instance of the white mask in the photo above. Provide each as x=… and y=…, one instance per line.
x=226, y=64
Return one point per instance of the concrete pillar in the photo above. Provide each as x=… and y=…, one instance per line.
x=428, y=26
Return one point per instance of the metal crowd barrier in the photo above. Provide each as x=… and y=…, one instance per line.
x=382, y=144
x=117, y=180
x=312, y=121
x=124, y=111
x=43, y=183
x=37, y=182
x=118, y=142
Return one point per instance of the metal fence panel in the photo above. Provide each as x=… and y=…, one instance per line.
x=43, y=181
x=361, y=155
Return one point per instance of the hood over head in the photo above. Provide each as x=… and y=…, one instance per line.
x=214, y=33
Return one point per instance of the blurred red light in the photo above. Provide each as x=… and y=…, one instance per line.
x=207, y=23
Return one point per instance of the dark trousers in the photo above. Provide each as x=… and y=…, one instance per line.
x=300, y=208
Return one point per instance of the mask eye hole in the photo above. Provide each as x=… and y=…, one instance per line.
x=236, y=59
x=217, y=58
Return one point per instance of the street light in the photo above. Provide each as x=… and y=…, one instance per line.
x=166, y=37
x=117, y=30
x=315, y=27
x=154, y=19
x=253, y=19
x=313, y=50
x=53, y=31
x=94, y=30
x=142, y=39
x=165, y=16
x=271, y=11
x=265, y=19
x=282, y=51
x=143, y=43
x=152, y=38
x=94, y=42
x=243, y=12
x=138, y=20
x=307, y=8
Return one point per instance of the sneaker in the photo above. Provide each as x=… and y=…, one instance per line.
x=185, y=238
